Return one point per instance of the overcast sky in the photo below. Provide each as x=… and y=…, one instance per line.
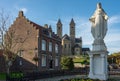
x=49, y=11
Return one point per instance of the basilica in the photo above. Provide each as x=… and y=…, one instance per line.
x=70, y=44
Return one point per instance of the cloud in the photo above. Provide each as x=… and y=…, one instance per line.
x=18, y=8
x=83, y=29
x=112, y=38
x=114, y=20
x=24, y=10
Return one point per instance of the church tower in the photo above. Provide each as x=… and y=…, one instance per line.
x=72, y=31
x=59, y=28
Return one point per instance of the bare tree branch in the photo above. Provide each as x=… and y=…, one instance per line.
x=10, y=43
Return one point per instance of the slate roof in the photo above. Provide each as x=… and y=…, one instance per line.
x=76, y=45
x=85, y=49
x=66, y=37
x=78, y=40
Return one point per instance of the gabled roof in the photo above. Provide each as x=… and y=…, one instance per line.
x=76, y=46
x=37, y=26
x=85, y=49
x=66, y=37
x=21, y=14
x=78, y=40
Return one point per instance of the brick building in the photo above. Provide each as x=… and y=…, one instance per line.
x=35, y=41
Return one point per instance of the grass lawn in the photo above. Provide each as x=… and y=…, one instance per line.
x=79, y=60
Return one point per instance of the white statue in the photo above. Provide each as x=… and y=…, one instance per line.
x=98, y=55
x=99, y=25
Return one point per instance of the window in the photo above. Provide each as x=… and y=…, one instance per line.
x=50, y=34
x=77, y=49
x=43, y=60
x=65, y=46
x=69, y=45
x=20, y=53
x=58, y=27
x=43, y=45
x=50, y=46
x=56, y=61
x=56, y=48
x=20, y=62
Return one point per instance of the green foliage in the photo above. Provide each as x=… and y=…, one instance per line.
x=85, y=62
x=16, y=75
x=2, y=76
x=67, y=63
x=11, y=75
x=78, y=60
x=82, y=60
x=114, y=58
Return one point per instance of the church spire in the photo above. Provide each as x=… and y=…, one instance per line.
x=72, y=32
x=59, y=28
x=72, y=22
x=59, y=22
x=50, y=28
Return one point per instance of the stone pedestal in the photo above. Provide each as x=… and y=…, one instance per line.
x=98, y=65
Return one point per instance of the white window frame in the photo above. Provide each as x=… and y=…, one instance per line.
x=43, y=60
x=50, y=46
x=44, y=45
x=50, y=34
x=56, y=48
x=56, y=61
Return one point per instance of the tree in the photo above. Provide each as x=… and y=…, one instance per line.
x=9, y=44
x=114, y=58
x=67, y=63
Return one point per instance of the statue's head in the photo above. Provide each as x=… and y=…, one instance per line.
x=99, y=5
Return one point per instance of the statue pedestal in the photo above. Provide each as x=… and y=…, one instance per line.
x=98, y=65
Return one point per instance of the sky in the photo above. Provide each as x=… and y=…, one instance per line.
x=49, y=11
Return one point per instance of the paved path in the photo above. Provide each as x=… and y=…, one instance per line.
x=62, y=77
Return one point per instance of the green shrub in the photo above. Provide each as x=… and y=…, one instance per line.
x=67, y=63
x=16, y=75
